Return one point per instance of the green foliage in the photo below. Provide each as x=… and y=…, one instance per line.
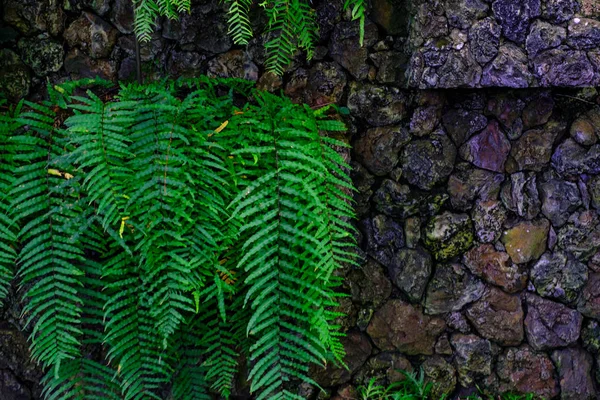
x=416, y=387
x=291, y=25
x=165, y=237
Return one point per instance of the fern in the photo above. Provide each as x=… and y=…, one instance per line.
x=291, y=25
x=8, y=229
x=163, y=235
x=358, y=11
x=240, y=27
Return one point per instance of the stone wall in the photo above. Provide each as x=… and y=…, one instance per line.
x=505, y=43
x=478, y=210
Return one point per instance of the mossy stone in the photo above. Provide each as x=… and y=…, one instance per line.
x=449, y=235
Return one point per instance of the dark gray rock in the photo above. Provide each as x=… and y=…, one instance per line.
x=409, y=270
x=345, y=49
x=461, y=124
x=448, y=235
x=460, y=70
x=369, y=285
x=463, y=13
x=412, y=230
x=484, y=37
x=499, y=317
x=559, y=11
x=378, y=105
x=496, y=268
x=384, y=238
x=429, y=22
x=488, y=149
x=401, y=201
x=384, y=368
x=520, y=195
x=42, y=54
x=326, y=84
x=581, y=236
x=584, y=33
x=185, y=63
x=451, y=288
x=509, y=69
x=515, y=15
x=571, y=158
x=99, y=7
x=563, y=67
x=212, y=35
x=472, y=357
x=469, y=184
x=458, y=322
x=80, y=65
x=34, y=16
x=544, y=36
x=428, y=162
x=92, y=34
x=425, y=120
x=488, y=218
x=583, y=131
x=151, y=51
x=533, y=150
x=398, y=326
x=393, y=16
x=121, y=15
x=590, y=336
x=378, y=148
x=507, y=108
x=589, y=304
x=559, y=276
x=559, y=199
x=15, y=77
x=391, y=66
x=574, y=367
x=524, y=371
x=233, y=64
x=550, y=325
x=441, y=375
x=358, y=350
x=538, y=111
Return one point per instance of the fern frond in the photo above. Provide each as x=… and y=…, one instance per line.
x=130, y=334
x=240, y=27
x=9, y=126
x=45, y=205
x=358, y=11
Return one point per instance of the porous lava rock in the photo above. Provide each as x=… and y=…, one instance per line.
x=451, y=288
x=399, y=326
x=549, y=324
x=498, y=316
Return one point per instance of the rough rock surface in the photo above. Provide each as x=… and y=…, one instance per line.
x=441, y=374
x=448, y=235
x=550, y=325
x=559, y=276
x=402, y=327
x=409, y=270
x=526, y=241
x=427, y=162
x=498, y=317
x=495, y=267
x=379, y=148
x=574, y=367
x=472, y=357
x=521, y=370
x=488, y=149
x=451, y=288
